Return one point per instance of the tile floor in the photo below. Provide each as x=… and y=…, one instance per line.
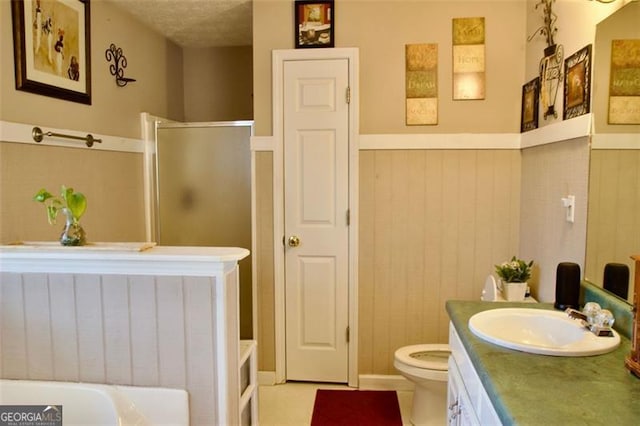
x=291, y=404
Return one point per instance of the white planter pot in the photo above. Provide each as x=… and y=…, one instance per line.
x=514, y=292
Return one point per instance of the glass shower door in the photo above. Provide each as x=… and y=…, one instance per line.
x=203, y=186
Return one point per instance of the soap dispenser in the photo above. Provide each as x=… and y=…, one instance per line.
x=567, y=286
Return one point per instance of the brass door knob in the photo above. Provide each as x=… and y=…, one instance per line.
x=294, y=241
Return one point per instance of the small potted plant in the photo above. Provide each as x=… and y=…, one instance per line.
x=513, y=276
x=72, y=205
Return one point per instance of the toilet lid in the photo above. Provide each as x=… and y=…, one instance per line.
x=490, y=291
x=430, y=357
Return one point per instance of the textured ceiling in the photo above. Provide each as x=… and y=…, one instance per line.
x=195, y=23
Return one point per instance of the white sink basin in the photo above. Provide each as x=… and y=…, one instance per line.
x=539, y=331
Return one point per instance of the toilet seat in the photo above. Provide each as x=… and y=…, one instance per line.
x=427, y=357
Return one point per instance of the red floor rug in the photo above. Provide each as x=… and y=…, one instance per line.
x=353, y=408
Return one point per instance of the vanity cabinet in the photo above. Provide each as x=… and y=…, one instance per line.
x=505, y=386
x=459, y=409
x=467, y=401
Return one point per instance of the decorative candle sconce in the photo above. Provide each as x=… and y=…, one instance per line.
x=550, y=77
x=551, y=63
x=115, y=54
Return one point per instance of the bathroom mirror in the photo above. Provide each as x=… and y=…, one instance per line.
x=613, y=218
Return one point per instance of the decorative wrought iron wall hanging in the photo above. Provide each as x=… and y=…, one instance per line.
x=115, y=54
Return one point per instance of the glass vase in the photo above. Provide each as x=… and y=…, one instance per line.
x=72, y=234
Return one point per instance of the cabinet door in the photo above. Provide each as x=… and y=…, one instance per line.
x=453, y=394
x=464, y=381
x=459, y=409
x=467, y=416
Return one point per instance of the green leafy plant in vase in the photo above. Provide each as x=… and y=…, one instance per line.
x=513, y=275
x=72, y=205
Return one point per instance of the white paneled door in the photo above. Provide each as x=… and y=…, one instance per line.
x=316, y=210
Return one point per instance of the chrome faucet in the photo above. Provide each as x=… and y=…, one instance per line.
x=599, y=321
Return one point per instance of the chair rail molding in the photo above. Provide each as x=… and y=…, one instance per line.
x=22, y=133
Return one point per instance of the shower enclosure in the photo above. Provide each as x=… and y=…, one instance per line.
x=203, y=192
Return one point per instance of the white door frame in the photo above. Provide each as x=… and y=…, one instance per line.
x=278, y=59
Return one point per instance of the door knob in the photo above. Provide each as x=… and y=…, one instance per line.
x=294, y=241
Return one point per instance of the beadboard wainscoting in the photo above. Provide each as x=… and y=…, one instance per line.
x=549, y=173
x=126, y=330
x=436, y=212
x=432, y=224
x=140, y=328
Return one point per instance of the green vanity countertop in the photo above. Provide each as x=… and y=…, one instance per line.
x=531, y=389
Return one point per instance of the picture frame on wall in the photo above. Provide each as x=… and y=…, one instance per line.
x=530, y=103
x=314, y=24
x=624, y=90
x=577, y=83
x=52, y=48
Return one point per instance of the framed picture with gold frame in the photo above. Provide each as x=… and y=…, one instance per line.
x=52, y=48
x=314, y=23
x=530, y=97
x=577, y=83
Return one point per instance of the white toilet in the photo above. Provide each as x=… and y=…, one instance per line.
x=427, y=367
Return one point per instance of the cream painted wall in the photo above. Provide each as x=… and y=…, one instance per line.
x=457, y=211
x=265, y=324
x=218, y=84
x=112, y=181
x=157, y=65
x=576, y=24
x=272, y=22
x=154, y=62
x=380, y=30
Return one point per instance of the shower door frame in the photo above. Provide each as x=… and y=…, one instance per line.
x=150, y=125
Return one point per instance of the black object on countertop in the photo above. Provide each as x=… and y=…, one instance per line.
x=616, y=279
x=567, y=286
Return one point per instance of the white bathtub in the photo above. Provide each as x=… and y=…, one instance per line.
x=95, y=404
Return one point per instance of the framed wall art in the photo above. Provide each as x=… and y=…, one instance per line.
x=314, y=23
x=421, y=84
x=530, y=96
x=577, y=83
x=468, y=58
x=51, y=44
x=624, y=82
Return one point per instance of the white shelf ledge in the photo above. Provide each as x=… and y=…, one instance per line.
x=158, y=260
x=561, y=131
